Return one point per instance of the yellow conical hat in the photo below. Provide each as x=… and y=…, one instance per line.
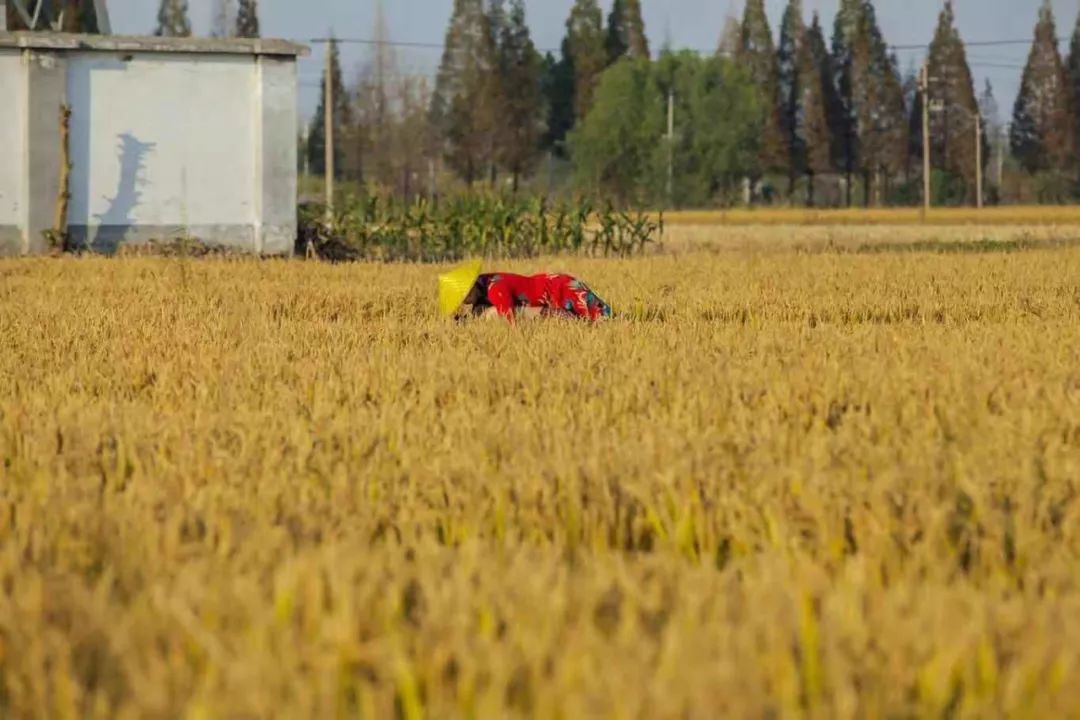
x=456, y=285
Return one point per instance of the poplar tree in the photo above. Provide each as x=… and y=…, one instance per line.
x=1043, y=135
x=585, y=46
x=953, y=103
x=466, y=92
x=757, y=54
x=626, y=31
x=247, y=19
x=172, y=19
x=519, y=68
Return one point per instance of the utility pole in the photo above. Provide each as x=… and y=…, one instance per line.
x=670, y=146
x=1002, y=143
x=926, y=137
x=328, y=117
x=978, y=162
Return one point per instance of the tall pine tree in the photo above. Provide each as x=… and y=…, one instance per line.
x=729, y=37
x=172, y=19
x=881, y=120
x=626, y=31
x=811, y=140
x=585, y=43
x=557, y=83
x=1043, y=135
x=791, y=34
x=223, y=24
x=757, y=54
x=247, y=19
x=467, y=92
x=1074, y=77
x=834, y=107
x=842, y=119
x=953, y=104
x=519, y=68
x=341, y=118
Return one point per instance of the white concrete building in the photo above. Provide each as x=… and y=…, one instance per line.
x=169, y=138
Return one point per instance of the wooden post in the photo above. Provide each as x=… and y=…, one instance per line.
x=328, y=117
x=978, y=162
x=926, y=138
x=63, y=195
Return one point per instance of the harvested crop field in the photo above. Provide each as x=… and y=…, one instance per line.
x=790, y=482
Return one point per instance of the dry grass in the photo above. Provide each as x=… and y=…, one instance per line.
x=1001, y=215
x=813, y=484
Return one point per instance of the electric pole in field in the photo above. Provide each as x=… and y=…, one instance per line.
x=925, y=87
x=978, y=162
x=670, y=146
x=328, y=118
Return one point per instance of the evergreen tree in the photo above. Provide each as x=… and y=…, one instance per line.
x=729, y=38
x=341, y=118
x=757, y=54
x=519, y=68
x=557, y=82
x=791, y=34
x=953, y=104
x=810, y=139
x=247, y=19
x=882, y=124
x=1074, y=76
x=223, y=24
x=993, y=130
x=834, y=107
x=374, y=146
x=467, y=92
x=172, y=20
x=585, y=43
x=626, y=31
x=870, y=123
x=842, y=119
x=1043, y=130
x=991, y=113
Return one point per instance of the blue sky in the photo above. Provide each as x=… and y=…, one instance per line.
x=688, y=23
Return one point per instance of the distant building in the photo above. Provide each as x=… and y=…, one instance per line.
x=170, y=138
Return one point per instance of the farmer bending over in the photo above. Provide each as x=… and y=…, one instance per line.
x=505, y=294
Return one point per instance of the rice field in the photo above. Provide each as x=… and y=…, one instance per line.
x=830, y=476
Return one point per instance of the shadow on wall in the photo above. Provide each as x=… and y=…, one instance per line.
x=116, y=222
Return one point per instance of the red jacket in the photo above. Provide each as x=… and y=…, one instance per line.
x=560, y=294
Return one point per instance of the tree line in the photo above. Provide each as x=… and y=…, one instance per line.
x=809, y=119
x=232, y=18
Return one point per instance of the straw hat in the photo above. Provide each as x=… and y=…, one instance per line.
x=455, y=286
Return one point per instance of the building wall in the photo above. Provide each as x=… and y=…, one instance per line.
x=13, y=92
x=163, y=146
